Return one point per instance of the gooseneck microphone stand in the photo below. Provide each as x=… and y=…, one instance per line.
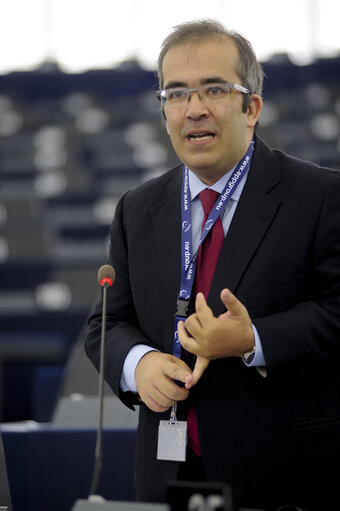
x=106, y=275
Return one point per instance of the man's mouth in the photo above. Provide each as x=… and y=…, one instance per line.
x=201, y=136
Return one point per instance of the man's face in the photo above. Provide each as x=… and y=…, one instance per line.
x=229, y=130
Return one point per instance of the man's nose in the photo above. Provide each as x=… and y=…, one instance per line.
x=196, y=107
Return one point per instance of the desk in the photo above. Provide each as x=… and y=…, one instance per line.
x=48, y=468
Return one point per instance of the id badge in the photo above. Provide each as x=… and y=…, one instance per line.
x=172, y=439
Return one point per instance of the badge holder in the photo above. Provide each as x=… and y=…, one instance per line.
x=172, y=438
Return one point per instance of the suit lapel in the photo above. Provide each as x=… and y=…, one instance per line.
x=253, y=216
x=166, y=221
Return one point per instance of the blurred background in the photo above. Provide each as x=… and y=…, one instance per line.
x=80, y=125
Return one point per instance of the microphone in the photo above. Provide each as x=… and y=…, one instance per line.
x=106, y=277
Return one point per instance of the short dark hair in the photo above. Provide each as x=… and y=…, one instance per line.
x=249, y=69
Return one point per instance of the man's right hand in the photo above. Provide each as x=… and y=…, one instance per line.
x=155, y=377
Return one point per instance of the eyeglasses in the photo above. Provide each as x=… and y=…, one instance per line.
x=208, y=93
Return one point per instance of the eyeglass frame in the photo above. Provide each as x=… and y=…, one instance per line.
x=161, y=94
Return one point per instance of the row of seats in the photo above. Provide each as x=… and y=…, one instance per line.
x=70, y=146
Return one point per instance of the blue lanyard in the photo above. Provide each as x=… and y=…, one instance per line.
x=188, y=261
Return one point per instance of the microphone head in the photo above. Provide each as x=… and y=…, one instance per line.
x=106, y=275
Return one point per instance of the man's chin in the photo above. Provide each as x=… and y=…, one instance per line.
x=208, y=173
x=200, y=163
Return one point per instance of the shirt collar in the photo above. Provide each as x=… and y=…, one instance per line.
x=196, y=185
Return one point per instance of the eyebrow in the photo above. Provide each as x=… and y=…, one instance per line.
x=170, y=85
x=213, y=79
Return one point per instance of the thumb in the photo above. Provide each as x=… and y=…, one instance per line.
x=232, y=304
x=200, y=366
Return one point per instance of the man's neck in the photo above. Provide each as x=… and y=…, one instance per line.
x=211, y=176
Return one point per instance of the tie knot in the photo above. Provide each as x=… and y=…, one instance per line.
x=208, y=198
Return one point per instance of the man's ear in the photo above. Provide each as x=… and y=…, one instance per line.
x=254, y=110
x=165, y=119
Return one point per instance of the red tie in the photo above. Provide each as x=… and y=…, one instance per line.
x=206, y=262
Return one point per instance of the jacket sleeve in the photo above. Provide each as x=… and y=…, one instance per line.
x=122, y=331
x=308, y=334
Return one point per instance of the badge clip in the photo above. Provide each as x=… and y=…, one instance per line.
x=182, y=308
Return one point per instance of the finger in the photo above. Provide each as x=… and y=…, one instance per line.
x=161, y=396
x=177, y=370
x=193, y=326
x=165, y=389
x=234, y=306
x=182, y=333
x=200, y=366
x=187, y=342
x=156, y=388
x=203, y=312
x=198, y=324
x=203, y=315
x=168, y=391
x=154, y=405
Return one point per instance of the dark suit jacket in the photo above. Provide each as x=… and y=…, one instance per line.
x=276, y=440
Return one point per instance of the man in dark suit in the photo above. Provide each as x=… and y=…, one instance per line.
x=258, y=375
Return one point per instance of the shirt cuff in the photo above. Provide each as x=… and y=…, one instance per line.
x=258, y=360
x=127, y=379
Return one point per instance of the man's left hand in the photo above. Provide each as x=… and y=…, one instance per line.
x=229, y=335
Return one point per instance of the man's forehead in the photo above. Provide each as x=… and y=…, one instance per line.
x=214, y=56
x=195, y=46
